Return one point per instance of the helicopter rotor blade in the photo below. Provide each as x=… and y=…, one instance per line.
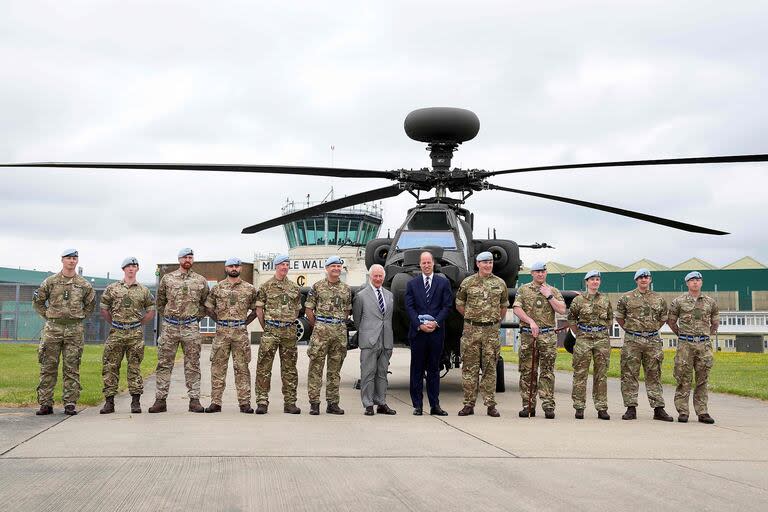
x=275, y=169
x=618, y=211
x=363, y=197
x=629, y=163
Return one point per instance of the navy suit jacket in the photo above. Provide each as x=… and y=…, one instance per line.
x=439, y=306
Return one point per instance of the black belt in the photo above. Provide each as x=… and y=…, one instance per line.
x=643, y=334
x=180, y=321
x=126, y=326
x=329, y=320
x=591, y=328
x=230, y=323
x=695, y=339
x=278, y=323
x=480, y=324
x=542, y=330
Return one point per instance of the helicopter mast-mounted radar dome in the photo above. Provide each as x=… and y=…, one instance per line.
x=442, y=125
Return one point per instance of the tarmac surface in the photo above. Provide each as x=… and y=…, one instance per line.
x=231, y=461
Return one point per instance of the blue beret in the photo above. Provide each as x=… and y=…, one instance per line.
x=280, y=258
x=333, y=260
x=186, y=252
x=692, y=275
x=539, y=265
x=232, y=261
x=642, y=272
x=69, y=252
x=591, y=273
x=484, y=256
x=130, y=260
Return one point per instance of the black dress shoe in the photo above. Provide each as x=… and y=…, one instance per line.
x=437, y=411
x=369, y=411
x=385, y=409
x=418, y=411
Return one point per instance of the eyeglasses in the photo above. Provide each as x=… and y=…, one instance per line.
x=644, y=277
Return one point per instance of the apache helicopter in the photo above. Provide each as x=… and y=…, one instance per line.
x=439, y=223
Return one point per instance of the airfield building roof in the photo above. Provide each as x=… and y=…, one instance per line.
x=694, y=264
x=35, y=277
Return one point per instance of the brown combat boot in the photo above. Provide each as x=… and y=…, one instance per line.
x=213, y=408
x=246, y=409
x=314, y=408
x=527, y=413
x=70, y=410
x=631, y=413
x=44, y=410
x=603, y=415
x=493, y=412
x=262, y=408
x=334, y=409
x=109, y=406
x=660, y=414
x=549, y=414
x=579, y=414
x=467, y=410
x=706, y=418
x=195, y=405
x=158, y=406
x=291, y=409
x=136, y=404
x=683, y=418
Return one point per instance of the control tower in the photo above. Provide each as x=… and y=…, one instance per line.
x=311, y=240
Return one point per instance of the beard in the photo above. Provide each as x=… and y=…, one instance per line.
x=233, y=273
x=186, y=265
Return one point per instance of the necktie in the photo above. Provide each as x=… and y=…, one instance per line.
x=381, y=300
x=427, y=288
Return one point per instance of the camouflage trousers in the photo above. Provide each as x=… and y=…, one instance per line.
x=480, y=348
x=692, y=357
x=647, y=352
x=546, y=352
x=327, y=341
x=188, y=336
x=119, y=344
x=231, y=340
x=587, y=349
x=282, y=339
x=63, y=342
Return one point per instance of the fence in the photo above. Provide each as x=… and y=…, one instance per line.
x=19, y=322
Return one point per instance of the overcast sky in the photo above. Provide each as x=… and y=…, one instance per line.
x=280, y=82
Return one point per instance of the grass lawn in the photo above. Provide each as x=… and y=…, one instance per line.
x=738, y=373
x=20, y=374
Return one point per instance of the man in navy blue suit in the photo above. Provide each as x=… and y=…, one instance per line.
x=427, y=294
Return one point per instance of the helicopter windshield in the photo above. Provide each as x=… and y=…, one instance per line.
x=416, y=239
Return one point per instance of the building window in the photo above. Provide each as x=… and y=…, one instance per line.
x=672, y=343
x=207, y=326
x=616, y=331
x=765, y=344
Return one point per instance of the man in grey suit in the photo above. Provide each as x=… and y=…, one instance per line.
x=372, y=311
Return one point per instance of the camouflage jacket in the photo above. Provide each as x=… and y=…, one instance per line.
x=482, y=297
x=231, y=301
x=182, y=294
x=642, y=312
x=127, y=304
x=694, y=317
x=64, y=297
x=281, y=300
x=535, y=305
x=330, y=299
x=593, y=310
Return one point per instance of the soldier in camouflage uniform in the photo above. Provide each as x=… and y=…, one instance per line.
x=278, y=302
x=591, y=318
x=641, y=313
x=126, y=306
x=535, y=305
x=694, y=317
x=328, y=306
x=228, y=304
x=64, y=300
x=483, y=300
x=181, y=302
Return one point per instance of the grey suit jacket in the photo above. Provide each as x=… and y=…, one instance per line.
x=371, y=324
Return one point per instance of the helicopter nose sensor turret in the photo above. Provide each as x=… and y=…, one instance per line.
x=442, y=125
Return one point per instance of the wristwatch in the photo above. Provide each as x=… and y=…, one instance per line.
x=551, y=296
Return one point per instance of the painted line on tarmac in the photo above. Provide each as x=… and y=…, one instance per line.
x=716, y=476
x=65, y=418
